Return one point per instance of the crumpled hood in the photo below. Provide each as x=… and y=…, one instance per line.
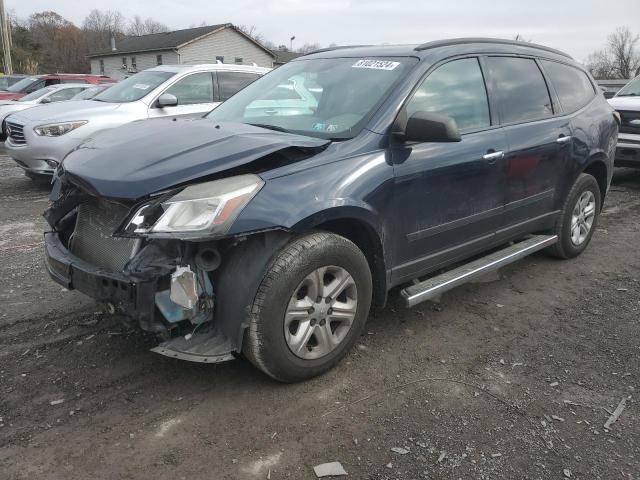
x=135, y=160
x=67, y=111
x=625, y=103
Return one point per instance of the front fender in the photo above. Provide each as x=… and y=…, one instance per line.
x=359, y=187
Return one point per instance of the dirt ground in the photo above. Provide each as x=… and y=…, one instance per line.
x=509, y=378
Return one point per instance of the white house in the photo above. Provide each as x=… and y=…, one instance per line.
x=224, y=43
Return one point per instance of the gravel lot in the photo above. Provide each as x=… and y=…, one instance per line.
x=507, y=378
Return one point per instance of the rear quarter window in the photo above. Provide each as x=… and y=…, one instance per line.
x=572, y=85
x=520, y=89
x=231, y=83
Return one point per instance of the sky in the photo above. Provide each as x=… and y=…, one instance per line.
x=577, y=27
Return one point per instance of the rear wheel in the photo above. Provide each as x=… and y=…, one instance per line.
x=578, y=218
x=310, y=307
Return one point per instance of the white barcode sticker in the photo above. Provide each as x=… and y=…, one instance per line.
x=376, y=64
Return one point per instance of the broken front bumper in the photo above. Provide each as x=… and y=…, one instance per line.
x=133, y=296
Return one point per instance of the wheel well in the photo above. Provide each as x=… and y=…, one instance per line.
x=368, y=241
x=598, y=170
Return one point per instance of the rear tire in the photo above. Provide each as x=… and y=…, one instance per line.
x=293, y=337
x=578, y=218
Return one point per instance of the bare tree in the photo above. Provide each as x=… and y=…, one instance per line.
x=308, y=47
x=60, y=44
x=625, y=56
x=619, y=59
x=100, y=25
x=138, y=27
x=251, y=31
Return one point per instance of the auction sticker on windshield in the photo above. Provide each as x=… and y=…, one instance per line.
x=376, y=64
x=141, y=86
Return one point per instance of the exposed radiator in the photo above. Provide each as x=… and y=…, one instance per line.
x=92, y=239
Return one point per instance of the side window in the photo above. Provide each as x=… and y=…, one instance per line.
x=520, y=89
x=73, y=80
x=196, y=88
x=455, y=89
x=36, y=86
x=231, y=83
x=64, y=94
x=572, y=85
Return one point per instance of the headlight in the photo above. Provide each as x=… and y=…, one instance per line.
x=198, y=211
x=57, y=129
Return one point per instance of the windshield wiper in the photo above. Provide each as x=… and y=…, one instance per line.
x=628, y=95
x=269, y=127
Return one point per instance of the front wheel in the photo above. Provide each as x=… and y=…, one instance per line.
x=310, y=307
x=578, y=218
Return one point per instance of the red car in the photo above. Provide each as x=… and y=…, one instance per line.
x=35, y=82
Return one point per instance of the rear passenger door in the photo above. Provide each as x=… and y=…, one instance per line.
x=449, y=196
x=539, y=143
x=195, y=94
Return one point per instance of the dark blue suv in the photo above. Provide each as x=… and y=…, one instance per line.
x=271, y=225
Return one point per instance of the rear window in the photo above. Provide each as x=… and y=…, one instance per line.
x=231, y=83
x=520, y=89
x=572, y=85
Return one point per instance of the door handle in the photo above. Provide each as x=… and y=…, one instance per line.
x=492, y=156
x=563, y=139
x=271, y=112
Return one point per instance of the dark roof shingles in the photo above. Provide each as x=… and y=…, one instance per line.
x=158, y=41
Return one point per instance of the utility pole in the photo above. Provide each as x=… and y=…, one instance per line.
x=6, y=40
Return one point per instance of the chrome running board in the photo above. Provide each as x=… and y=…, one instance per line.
x=434, y=286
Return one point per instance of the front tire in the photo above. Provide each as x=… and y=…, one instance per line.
x=310, y=307
x=578, y=218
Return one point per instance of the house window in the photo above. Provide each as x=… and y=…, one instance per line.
x=124, y=62
x=239, y=60
x=158, y=59
x=101, y=67
x=219, y=59
x=133, y=63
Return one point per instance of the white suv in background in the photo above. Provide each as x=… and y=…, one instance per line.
x=627, y=104
x=38, y=139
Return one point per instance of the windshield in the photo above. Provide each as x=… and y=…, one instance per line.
x=134, y=87
x=89, y=93
x=4, y=83
x=22, y=84
x=327, y=98
x=37, y=94
x=631, y=89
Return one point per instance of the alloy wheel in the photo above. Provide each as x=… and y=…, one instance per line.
x=321, y=312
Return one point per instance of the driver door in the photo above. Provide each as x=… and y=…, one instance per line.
x=449, y=196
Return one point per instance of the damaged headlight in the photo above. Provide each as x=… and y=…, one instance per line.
x=58, y=129
x=199, y=210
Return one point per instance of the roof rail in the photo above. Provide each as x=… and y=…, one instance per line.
x=503, y=41
x=329, y=49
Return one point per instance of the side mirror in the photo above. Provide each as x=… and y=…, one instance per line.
x=167, y=100
x=45, y=100
x=430, y=127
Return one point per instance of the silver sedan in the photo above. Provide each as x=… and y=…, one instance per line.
x=42, y=96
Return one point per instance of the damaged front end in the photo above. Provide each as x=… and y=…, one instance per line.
x=158, y=268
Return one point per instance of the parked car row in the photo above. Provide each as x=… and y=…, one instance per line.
x=52, y=94
x=38, y=139
x=271, y=225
